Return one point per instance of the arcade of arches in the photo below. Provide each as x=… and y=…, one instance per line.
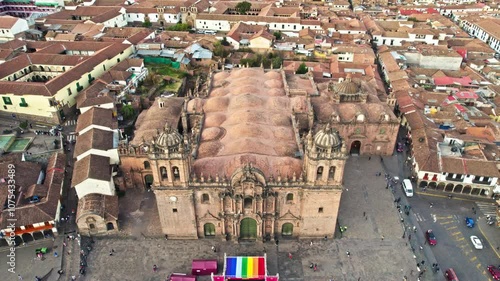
x=466, y=189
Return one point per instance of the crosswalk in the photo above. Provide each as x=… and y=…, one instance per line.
x=487, y=208
x=71, y=138
x=70, y=123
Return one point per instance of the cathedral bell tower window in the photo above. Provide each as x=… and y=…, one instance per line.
x=319, y=173
x=163, y=173
x=175, y=171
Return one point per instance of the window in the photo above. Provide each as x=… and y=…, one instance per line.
x=320, y=210
x=78, y=87
x=205, y=198
x=147, y=165
x=247, y=203
x=6, y=100
x=174, y=210
x=289, y=198
x=319, y=173
x=163, y=173
x=23, y=103
x=104, y=67
x=175, y=172
x=69, y=92
x=331, y=173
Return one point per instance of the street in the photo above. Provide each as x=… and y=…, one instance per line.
x=446, y=217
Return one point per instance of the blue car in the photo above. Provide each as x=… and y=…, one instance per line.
x=469, y=222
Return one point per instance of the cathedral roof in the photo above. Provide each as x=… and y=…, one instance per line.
x=327, y=138
x=347, y=87
x=169, y=137
x=247, y=120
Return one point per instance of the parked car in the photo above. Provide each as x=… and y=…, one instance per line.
x=476, y=242
x=495, y=272
x=431, y=238
x=469, y=222
x=451, y=275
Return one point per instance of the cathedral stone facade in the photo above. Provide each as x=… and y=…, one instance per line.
x=243, y=157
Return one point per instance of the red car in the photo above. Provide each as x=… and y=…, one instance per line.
x=431, y=238
x=495, y=272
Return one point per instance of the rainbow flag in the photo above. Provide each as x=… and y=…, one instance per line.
x=245, y=267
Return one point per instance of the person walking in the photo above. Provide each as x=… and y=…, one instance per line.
x=19, y=277
x=155, y=268
x=290, y=255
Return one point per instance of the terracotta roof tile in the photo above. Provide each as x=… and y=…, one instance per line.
x=96, y=116
x=91, y=167
x=93, y=139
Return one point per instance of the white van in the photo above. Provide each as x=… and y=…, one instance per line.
x=210, y=32
x=407, y=188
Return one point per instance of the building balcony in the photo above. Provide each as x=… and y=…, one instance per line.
x=486, y=182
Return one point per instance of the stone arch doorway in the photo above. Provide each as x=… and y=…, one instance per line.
x=148, y=181
x=287, y=229
x=355, y=147
x=248, y=229
x=27, y=237
x=110, y=226
x=209, y=230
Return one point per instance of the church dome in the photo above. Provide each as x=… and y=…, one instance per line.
x=169, y=137
x=347, y=87
x=327, y=138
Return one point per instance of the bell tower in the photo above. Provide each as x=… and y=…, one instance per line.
x=325, y=156
x=169, y=158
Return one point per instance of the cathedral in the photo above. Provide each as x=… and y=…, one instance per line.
x=254, y=154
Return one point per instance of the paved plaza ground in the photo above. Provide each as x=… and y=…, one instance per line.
x=377, y=250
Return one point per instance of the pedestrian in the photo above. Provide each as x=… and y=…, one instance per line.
x=64, y=244
x=409, y=236
x=369, y=158
x=73, y=277
x=155, y=268
x=60, y=272
x=348, y=253
x=364, y=214
x=55, y=255
x=112, y=250
x=311, y=243
x=110, y=253
x=411, y=272
x=19, y=277
x=290, y=255
x=382, y=237
x=430, y=205
x=422, y=262
x=214, y=249
x=315, y=267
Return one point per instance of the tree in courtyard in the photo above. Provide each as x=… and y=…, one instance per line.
x=243, y=7
x=128, y=111
x=302, y=69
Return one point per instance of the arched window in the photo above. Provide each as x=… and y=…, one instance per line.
x=147, y=166
x=205, y=198
x=331, y=173
x=163, y=173
x=319, y=173
x=175, y=172
x=247, y=203
x=289, y=198
x=209, y=229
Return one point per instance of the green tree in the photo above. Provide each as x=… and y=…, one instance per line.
x=128, y=111
x=277, y=35
x=219, y=50
x=277, y=61
x=224, y=41
x=179, y=27
x=243, y=7
x=302, y=69
x=147, y=23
